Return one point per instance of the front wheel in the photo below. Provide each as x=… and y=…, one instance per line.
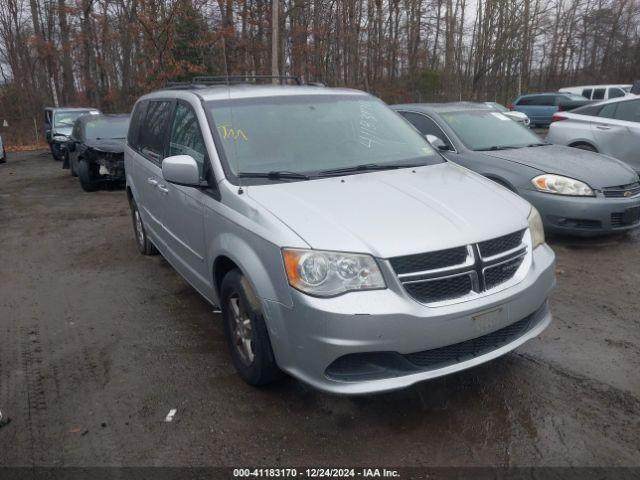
x=88, y=181
x=246, y=331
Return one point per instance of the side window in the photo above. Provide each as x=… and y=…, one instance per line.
x=426, y=126
x=75, y=133
x=152, y=136
x=628, y=111
x=186, y=137
x=586, y=93
x=134, y=124
x=615, y=92
x=598, y=93
x=608, y=111
x=525, y=101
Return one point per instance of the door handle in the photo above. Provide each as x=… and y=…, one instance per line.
x=603, y=127
x=152, y=181
x=163, y=189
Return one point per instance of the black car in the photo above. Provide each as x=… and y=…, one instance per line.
x=95, y=150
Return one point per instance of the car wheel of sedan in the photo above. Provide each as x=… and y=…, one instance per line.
x=88, y=181
x=246, y=331
x=142, y=240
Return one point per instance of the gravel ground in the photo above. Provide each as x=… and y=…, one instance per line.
x=99, y=343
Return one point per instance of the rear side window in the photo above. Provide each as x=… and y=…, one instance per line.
x=608, y=111
x=628, y=111
x=586, y=93
x=615, y=92
x=152, y=136
x=525, y=101
x=426, y=126
x=598, y=93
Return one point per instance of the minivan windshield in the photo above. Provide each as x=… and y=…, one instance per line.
x=489, y=130
x=106, y=128
x=296, y=137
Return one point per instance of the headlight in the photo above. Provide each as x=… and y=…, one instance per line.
x=536, y=228
x=560, y=185
x=326, y=274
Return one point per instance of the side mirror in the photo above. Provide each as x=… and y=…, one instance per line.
x=436, y=142
x=181, y=169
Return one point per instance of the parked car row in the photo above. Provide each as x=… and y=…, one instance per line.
x=90, y=144
x=356, y=247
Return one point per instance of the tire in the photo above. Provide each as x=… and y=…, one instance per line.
x=57, y=156
x=87, y=178
x=72, y=170
x=246, y=332
x=145, y=247
x=585, y=146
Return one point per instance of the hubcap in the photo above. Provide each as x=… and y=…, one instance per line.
x=139, y=229
x=242, y=331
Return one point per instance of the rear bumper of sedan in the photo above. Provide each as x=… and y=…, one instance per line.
x=377, y=341
x=585, y=216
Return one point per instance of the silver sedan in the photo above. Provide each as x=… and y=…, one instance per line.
x=611, y=127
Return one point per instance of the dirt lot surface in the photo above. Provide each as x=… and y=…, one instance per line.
x=98, y=343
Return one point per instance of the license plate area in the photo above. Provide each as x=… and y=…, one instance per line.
x=489, y=320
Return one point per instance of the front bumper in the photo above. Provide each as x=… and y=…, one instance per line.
x=308, y=338
x=110, y=167
x=584, y=216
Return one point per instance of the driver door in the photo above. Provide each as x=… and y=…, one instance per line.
x=182, y=213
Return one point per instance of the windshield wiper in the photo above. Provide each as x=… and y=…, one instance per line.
x=110, y=138
x=275, y=175
x=364, y=168
x=496, y=147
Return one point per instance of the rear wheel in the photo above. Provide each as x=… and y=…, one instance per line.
x=142, y=241
x=88, y=180
x=246, y=331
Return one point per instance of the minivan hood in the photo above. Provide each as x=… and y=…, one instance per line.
x=595, y=169
x=395, y=212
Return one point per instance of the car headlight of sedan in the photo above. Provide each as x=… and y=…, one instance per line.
x=560, y=185
x=536, y=228
x=327, y=274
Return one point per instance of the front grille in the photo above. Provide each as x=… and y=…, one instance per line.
x=494, y=276
x=459, y=352
x=429, y=261
x=440, y=289
x=498, y=245
x=625, y=219
x=622, y=191
x=445, y=275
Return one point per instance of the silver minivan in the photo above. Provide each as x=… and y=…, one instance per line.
x=341, y=248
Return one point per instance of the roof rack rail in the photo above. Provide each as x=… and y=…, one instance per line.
x=204, y=81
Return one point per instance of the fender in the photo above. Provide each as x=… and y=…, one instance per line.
x=264, y=270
